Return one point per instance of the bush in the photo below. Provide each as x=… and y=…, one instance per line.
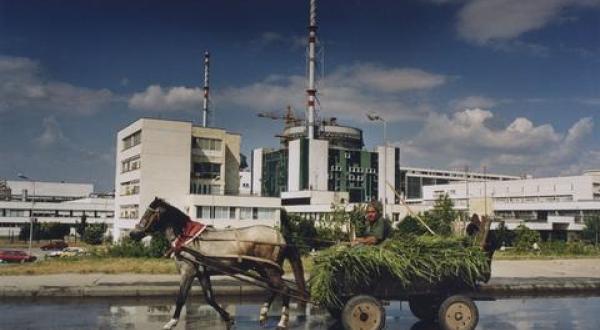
x=439, y=219
x=158, y=245
x=94, y=233
x=44, y=231
x=525, y=238
x=128, y=248
x=591, y=231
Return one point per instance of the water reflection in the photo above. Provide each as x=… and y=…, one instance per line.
x=64, y=313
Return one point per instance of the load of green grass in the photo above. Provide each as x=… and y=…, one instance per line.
x=411, y=263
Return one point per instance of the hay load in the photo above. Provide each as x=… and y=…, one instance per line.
x=409, y=263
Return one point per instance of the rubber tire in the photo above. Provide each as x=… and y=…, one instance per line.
x=348, y=319
x=424, y=307
x=458, y=302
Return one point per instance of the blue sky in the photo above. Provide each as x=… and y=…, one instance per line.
x=513, y=85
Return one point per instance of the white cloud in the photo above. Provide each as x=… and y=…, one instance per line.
x=348, y=92
x=386, y=79
x=155, y=98
x=465, y=137
x=270, y=38
x=484, y=21
x=22, y=87
x=472, y=102
x=52, y=134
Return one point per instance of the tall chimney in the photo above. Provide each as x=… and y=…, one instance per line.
x=205, y=106
x=311, y=91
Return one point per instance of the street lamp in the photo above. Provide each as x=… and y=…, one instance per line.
x=375, y=117
x=31, y=218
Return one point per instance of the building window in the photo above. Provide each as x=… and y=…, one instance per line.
x=207, y=170
x=130, y=188
x=203, y=212
x=207, y=144
x=130, y=211
x=245, y=213
x=131, y=164
x=132, y=140
x=232, y=213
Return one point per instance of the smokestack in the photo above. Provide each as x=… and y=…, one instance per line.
x=311, y=91
x=205, y=107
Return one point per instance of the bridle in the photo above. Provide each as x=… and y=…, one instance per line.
x=154, y=217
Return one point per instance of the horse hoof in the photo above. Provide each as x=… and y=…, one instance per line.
x=171, y=324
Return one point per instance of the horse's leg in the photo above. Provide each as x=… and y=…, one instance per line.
x=264, y=310
x=209, y=296
x=187, y=272
x=276, y=279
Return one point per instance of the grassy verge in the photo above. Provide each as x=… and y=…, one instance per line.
x=91, y=265
x=86, y=265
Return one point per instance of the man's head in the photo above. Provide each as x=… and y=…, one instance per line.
x=373, y=211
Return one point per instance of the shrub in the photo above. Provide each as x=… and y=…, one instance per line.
x=525, y=238
x=94, y=233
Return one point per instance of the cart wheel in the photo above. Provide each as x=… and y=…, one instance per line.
x=458, y=313
x=363, y=313
x=424, y=307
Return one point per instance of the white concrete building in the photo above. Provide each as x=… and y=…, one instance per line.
x=193, y=168
x=52, y=202
x=554, y=204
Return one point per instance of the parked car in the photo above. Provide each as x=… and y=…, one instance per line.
x=16, y=256
x=55, y=245
x=72, y=251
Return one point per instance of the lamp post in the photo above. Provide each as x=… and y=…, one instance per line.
x=31, y=218
x=375, y=117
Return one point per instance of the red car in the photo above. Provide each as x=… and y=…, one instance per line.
x=16, y=256
x=55, y=245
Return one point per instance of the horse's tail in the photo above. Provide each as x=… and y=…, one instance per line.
x=292, y=254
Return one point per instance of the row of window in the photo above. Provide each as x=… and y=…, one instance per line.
x=131, y=164
x=55, y=213
x=207, y=170
x=205, y=189
x=132, y=140
x=235, y=213
x=130, y=211
x=207, y=144
x=130, y=188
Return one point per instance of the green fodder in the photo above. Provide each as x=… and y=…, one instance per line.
x=410, y=264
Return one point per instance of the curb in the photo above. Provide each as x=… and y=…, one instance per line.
x=497, y=287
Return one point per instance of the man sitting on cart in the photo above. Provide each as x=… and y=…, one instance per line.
x=378, y=229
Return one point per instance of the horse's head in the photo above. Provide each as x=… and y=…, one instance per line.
x=149, y=221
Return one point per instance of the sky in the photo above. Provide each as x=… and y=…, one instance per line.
x=511, y=85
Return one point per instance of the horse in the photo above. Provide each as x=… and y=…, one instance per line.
x=262, y=249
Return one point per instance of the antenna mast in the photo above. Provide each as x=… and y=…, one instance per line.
x=311, y=91
x=205, y=106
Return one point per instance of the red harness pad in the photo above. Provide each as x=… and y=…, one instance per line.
x=191, y=230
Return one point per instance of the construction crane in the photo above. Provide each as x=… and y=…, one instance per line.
x=289, y=117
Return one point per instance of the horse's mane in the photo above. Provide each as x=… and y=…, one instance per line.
x=175, y=216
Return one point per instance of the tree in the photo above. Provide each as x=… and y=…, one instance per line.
x=591, y=231
x=525, y=238
x=94, y=233
x=441, y=217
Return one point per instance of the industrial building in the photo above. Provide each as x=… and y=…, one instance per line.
x=554, y=206
x=51, y=202
x=194, y=168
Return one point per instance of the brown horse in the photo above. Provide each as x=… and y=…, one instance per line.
x=258, y=248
